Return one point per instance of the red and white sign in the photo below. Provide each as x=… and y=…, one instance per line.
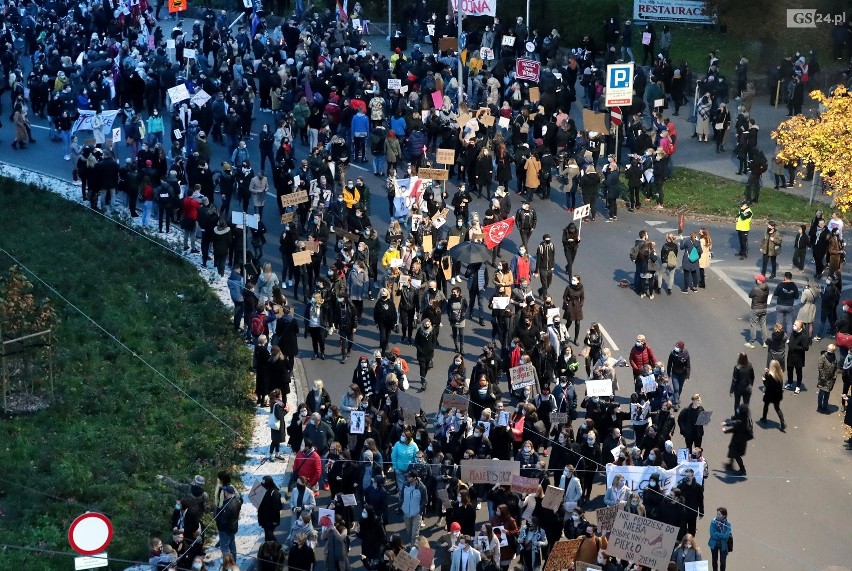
x=90, y=534
x=476, y=7
x=615, y=116
x=494, y=233
x=527, y=69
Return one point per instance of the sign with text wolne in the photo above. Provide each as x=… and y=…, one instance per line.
x=527, y=69
x=492, y=472
x=642, y=540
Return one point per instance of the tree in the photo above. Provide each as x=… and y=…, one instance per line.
x=20, y=312
x=824, y=141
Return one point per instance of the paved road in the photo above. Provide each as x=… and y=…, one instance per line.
x=788, y=510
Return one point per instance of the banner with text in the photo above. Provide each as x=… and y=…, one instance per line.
x=476, y=7
x=684, y=11
x=637, y=477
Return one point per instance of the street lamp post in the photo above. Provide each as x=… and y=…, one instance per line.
x=390, y=3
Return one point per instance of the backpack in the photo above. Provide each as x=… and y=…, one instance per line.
x=693, y=254
x=760, y=162
x=671, y=260
x=258, y=324
x=634, y=252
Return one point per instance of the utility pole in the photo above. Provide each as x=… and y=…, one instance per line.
x=458, y=38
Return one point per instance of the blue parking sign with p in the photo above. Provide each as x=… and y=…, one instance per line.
x=619, y=76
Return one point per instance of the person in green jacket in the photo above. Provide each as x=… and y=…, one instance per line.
x=301, y=112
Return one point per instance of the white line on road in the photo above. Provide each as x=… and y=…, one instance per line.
x=608, y=338
x=39, y=127
x=731, y=283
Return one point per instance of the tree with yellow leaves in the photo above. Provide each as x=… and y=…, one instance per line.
x=824, y=140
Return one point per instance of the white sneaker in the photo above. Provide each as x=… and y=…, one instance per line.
x=652, y=296
x=67, y=157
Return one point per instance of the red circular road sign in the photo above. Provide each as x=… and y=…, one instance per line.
x=615, y=115
x=90, y=534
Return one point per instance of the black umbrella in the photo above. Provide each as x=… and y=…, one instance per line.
x=470, y=253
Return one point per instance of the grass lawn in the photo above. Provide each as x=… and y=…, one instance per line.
x=702, y=193
x=116, y=424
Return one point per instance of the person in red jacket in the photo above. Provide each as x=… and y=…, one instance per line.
x=641, y=354
x=189, y=219
x=307, y=464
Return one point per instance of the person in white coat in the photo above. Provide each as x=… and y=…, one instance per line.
x=465, y=558
x=617, y=493
x=573, y=490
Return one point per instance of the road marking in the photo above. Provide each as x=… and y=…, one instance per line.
x=654, y=222
x=666, y=230
x=272, y=195
x=731, y=283
x=359, y=168
x=39, y=127
x=608, y=338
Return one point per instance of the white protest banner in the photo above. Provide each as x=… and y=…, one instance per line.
x=642, y=540
x=503, y=122
x=394, y=83
x=476, y=7
x=349, y=500
x=637, y=477
x=698, y=566
x=188, y=53
x=492, y=472
x=356, y=422
x=84, y=121
x=178, y=93
x=599, y=388
x=200, y=98
x=522, y=376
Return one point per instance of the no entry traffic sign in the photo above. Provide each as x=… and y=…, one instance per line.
x=90, y=533
x=615, y=116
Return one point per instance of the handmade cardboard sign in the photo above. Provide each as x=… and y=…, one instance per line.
x=256, y=493
x=522, y=376
x=606, y=517
x=446, y=44
x=487, y=120
x=535, y=95
x=452, y=242
x=452, y=400
x=427, y=243
x=522, y=485
x=294, y=198
x=445, y=156
x=563, y=554
x=434, y=174
x=410, y=405
x=558, y=417
x=594, y=121
x=287, y=217
x=311, y=246
x=553, y=498
x=499, y=472
x=642, y=540
x=703, y=418
x=301, y=258
x=405, y=562
x=394, y=83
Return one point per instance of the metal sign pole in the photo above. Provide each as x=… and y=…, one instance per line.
x=245, y=229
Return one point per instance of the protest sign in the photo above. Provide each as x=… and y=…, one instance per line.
x=116, y=135
x=527, y=69
x=405, y=562
x=487, y=120
x=522, y=376
x=437, y=99
x=637, y=477
x=558, y=418
x=697, y=566
x=606, y=517
x=452, y=242
x=448, y=44
x=349, y=500
x=703, y=418
x=486, y=54
x=287, y=217
x=500, y=472
x=646, y=38
x=594, y=121
x=563, y=554
x=528, y=512
x=425, y=555
x=84, y=121
x=256, y=493
x=453, y=400
x=434, y=174
x=649, y=384
x=301, y=258
x=427, y=243
x=294, y=198
x=535, y=95
x=476, y=7
x=344, y=235
x=394, y=83
x=553, y=498
x=178, y=93
x=445, y=156
x=503, y=418
x=642, y=540
x=682, y=455
x=522, y=485
x=508, y=41
x=356, y=422
x=200, y=98
x=311, y=246
x=410, y=405
x=599, y=388
x=188, y=53
x=177, y=6
x=326, y=517
x=581, y=566
x=503, y=122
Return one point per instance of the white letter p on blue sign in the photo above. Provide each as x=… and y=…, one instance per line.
x=619, y=77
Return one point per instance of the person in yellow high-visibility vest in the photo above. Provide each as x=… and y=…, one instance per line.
x=743, y=225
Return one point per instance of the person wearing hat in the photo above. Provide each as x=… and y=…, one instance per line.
x=193, y=496
x=743, y=225
x=770, y=246
x=227, y=520
x=759, y=295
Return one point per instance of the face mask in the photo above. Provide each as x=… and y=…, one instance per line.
x=177, y=506
x=652, y=483
x=303, y=414
x=457, y=362
x=340, y=299
x=639, y=344
x=456, y=533
x=583, y=426
x=574, y=282
x=590, y=441
x=404, y=440
x=575, y=517
x=652, y=457
x=527, y=449
x=364, y=514
x=634, y=503
x=477, y=434
x=677, y=349
x=460, y=416
x=429, y=448
x=196, y=565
